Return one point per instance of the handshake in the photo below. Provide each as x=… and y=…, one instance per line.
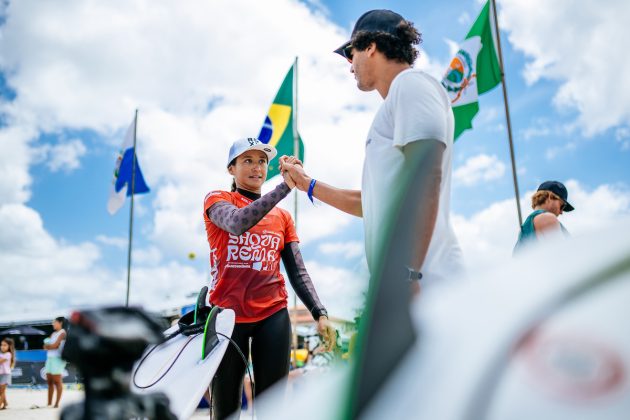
x=293, y=173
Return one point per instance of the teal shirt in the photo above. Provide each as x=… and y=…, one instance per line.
x=528, y=233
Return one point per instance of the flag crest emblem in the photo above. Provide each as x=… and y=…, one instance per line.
x=459, y=80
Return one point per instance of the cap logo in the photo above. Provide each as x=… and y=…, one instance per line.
x=268, y=150
x=252, y=141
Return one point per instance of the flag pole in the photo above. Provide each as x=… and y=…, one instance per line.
x=133, y=187
x=507, y=114
x=296, y=153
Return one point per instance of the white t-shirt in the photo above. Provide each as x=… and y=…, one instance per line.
x=416, y=108
x=53, y=339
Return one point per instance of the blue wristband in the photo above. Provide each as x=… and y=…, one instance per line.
x=310, y=189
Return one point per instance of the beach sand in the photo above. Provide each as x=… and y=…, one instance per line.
x=21, y=401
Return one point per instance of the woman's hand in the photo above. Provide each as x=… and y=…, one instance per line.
x=288, y=160
x=292, y=160
x=328, y=332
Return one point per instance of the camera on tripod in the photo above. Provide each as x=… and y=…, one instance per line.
x=104, y=344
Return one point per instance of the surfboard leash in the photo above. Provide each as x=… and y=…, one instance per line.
x=249, y=372
x=133, y=378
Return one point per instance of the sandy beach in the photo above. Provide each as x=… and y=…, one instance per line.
x=23, y=401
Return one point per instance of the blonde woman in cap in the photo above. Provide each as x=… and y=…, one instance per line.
x=248, y=236
x=549, y=202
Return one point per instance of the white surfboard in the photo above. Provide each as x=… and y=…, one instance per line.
x=189, y=377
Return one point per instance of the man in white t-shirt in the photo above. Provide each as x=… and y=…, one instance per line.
x=405, y=193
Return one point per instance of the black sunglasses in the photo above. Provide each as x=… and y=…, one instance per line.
x=563, y=204
x=347, y=52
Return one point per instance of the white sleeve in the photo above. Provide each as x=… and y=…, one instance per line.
x=418, y=110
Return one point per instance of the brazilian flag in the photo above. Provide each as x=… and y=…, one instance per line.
x=278, y=127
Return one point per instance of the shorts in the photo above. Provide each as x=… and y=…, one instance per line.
x=54, y=365
x=5, y=379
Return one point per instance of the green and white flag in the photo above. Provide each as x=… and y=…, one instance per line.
x=474, y=70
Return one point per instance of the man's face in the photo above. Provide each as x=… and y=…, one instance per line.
x=556, y=205
x=362, y=67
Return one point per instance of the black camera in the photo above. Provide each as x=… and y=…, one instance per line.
x=104, y=344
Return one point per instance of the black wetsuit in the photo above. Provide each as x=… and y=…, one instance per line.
x=270, y=337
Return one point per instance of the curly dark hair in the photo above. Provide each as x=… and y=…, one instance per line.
x=399, y=47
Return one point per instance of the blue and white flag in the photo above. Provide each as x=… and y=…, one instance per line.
x=121, y=184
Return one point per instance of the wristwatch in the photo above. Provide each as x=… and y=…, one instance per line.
x=414, y=275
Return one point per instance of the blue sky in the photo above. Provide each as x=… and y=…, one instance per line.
x=200, y=80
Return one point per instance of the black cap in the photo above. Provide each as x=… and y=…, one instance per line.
x=558, y=189
x=374, y=21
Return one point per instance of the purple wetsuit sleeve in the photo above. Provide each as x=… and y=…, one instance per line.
x=239, y=220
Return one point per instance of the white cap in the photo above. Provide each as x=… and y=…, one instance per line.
x=241, y=146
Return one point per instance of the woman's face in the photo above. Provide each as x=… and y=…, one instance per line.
x=4, y=347
x=554, y=205
x=250, y=170
x=56, y=325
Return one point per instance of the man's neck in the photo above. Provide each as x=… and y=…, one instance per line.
x=387, y=75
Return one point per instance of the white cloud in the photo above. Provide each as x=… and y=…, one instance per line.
x=340, y=290
x=44, y=275
x=478, y=168
x=588, y=71
x=15, y=180
x=553, y=152
x=432, y=66
x=622, y=135
x=536, y=131
x=63, y=156
x=351, y=249
x=489, y=235
x=464, y=18
x=453, y=47
x=88, y=65
x=117, y=242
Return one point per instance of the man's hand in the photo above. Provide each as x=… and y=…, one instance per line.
x=288, y=160
x=328, y=332
x=297, y=174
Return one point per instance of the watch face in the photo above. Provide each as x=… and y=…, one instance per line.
x=414, y=275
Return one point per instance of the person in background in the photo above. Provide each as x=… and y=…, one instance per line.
x=7, y=363
x=549, y=202
x=54, y=363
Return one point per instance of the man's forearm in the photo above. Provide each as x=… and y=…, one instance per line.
x=425, y=160
x=348, y=201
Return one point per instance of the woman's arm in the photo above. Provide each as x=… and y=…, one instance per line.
x=239, y=220
x=304, y=289
x=57, y=343
x=301, y=281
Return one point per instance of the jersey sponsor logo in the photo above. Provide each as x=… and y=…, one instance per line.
x=261, y=250
x=212, y=194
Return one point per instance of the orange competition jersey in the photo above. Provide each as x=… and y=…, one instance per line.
x=245, y=269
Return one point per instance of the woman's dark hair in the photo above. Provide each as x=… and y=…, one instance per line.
x=11, y=345
x=232, y=163
x=63, y=321
x=399, y=47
